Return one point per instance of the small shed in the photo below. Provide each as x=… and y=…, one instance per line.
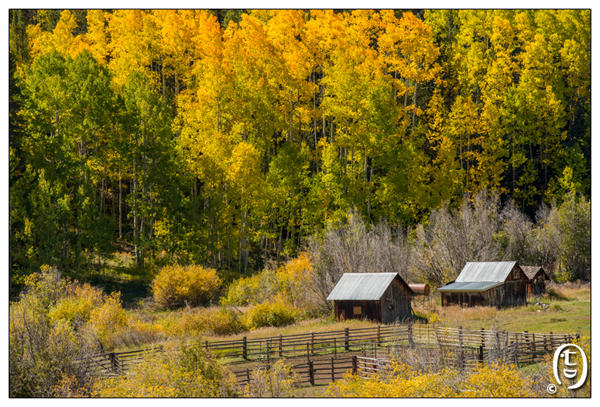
x=488, y=284
x=536, y=285
x=381, y=297
x=420, y=289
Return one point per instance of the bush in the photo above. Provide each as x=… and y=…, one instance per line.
x=43, y=351
x=270, y=314
x=108, y=321
x=404, y=381
x=278, y=381
x=187, y=372
x=78, y=304
x=175, y=286
x=290, y=283
x=224, y=321
x=218, y=322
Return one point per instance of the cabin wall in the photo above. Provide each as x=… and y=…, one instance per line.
x=368, y=310
x=512, y=292
x=536, y=286
x=396, y=303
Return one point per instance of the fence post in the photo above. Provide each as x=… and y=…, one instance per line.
x=354, y=365
x=312, y=342
x=461, y=354
x=527, y=343
x=481, y=354
x=410, y=333
x=347, y=339
x=113, y=362
x=248, y=375
x=244, y=348
x=482, y=337
x=311, y=372
x=280, y=345
x=533, y=355
x=307, y=352
x=378, y=335
x=268, y=353
x=206, y=345
x=551, y=341
x=335, y=347
x=332, y=370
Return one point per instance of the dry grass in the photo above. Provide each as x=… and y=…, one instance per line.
x=312, y=325
x=564, y=308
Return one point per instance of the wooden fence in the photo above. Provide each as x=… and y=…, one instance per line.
x=445, y=346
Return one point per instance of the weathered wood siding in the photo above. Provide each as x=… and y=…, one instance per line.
x=369, y=310
x=537, y=286
x=512, y=292
x=395, y=304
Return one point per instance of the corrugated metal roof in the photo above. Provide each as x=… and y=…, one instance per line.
x=486, y=272
x=362, y=286
x=469, y=287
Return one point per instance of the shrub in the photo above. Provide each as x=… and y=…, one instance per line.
x=213, y=321
x=290, y=283
x=108, y=321
x=43, y=351
x=187, y=372
x=270, y=314
x=404, y=381
x=224, y=321
x=176, y=285
x=278, y=381
x=139, y=332
x=77, y=305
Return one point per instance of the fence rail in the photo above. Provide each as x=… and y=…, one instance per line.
x=457, y=347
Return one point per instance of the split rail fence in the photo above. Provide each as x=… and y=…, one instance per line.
x=440, y=346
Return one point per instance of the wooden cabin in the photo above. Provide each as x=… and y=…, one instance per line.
x=487, y=283
x=380, y=297
x=536, y=285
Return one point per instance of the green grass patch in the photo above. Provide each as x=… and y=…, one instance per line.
x=565, y=309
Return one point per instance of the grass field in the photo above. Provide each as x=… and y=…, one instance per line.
x=563, y=309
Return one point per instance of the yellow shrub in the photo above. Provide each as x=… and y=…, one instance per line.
x=485, y=381
x=189, y=323
x=139, y=332
x=497, y=381
x=108, y=320
x=217, y=322
x=289, y=283
x=175, y=285
x=269, y=314
x=188, y=372
x=81, y=299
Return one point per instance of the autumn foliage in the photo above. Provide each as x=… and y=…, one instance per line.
x=227, y=138
x=175, y=286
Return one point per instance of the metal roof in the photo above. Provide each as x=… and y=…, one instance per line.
x=362, y=286
x=469, y=287
x=486, y=272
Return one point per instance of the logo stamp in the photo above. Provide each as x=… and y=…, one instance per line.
x=570, y=368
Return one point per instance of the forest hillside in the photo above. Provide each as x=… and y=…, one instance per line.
x=234, y=139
